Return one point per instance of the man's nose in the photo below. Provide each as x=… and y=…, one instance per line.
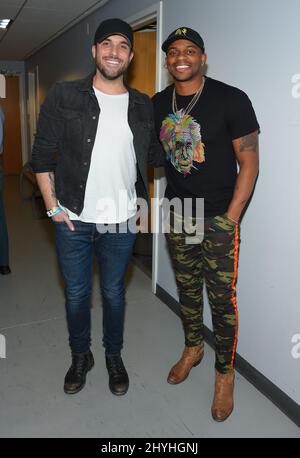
x=114, y=51
x=181, y=55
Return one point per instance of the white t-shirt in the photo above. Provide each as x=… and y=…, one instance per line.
x=110, y=195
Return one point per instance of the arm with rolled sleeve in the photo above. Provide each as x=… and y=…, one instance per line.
x=48, y=135
x=45, y=149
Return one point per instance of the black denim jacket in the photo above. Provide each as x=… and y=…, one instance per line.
x=66, y=133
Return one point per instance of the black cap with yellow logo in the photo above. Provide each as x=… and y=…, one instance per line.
x=183, y=33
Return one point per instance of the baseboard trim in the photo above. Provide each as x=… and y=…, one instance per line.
x=289, y=407
x=137, y=261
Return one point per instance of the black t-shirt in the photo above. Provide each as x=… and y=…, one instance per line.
x=200, y=161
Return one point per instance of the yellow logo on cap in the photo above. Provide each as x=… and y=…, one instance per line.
x=181, y=32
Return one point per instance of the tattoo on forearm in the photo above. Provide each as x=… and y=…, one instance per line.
x=52, y=182
x=249, y=143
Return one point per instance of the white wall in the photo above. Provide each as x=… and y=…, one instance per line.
x=255, y=46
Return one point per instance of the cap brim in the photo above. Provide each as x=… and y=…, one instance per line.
x=114, y=33
x=169, y=41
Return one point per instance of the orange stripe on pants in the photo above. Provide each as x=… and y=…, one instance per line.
x=233, y=298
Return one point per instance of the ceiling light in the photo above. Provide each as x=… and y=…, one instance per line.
x=4, y=23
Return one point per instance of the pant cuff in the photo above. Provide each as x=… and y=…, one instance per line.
x=223, y=369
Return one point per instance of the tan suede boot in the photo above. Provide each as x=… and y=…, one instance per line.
x=191, y=357
x=222, y=406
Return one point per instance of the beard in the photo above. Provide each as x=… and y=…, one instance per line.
x=111, y=74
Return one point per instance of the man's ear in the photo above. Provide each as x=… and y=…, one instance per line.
x=94, y=51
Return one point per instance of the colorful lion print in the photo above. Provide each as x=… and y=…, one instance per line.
x=181, y=138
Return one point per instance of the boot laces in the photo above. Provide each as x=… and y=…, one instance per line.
x=116, y=364
x=79, y=362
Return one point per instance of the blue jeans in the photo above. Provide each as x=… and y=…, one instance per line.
x=76, y=251
x=4, y=258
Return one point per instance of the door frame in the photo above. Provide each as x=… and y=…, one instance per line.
x=33, y=103
x=154, y=12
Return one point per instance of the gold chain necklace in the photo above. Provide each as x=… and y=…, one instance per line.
x=192, y=103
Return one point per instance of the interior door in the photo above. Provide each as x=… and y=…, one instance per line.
x=12, y=146
x=142, y=76
x=142, y=72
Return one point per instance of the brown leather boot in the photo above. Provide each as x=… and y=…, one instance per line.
x=191, y=357
x=222, y=406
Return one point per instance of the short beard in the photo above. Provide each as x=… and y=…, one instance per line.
x=108, y=76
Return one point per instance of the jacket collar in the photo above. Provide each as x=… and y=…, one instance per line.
x=86, y=84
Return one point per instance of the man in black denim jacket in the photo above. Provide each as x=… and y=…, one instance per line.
x=94, y=140
x=66, y=133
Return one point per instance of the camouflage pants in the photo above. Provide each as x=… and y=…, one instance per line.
x=215, y=262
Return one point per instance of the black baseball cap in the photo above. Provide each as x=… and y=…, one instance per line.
x=183, y=33
x=113, y=27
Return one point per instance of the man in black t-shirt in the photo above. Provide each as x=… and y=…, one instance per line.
x=206, y=128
